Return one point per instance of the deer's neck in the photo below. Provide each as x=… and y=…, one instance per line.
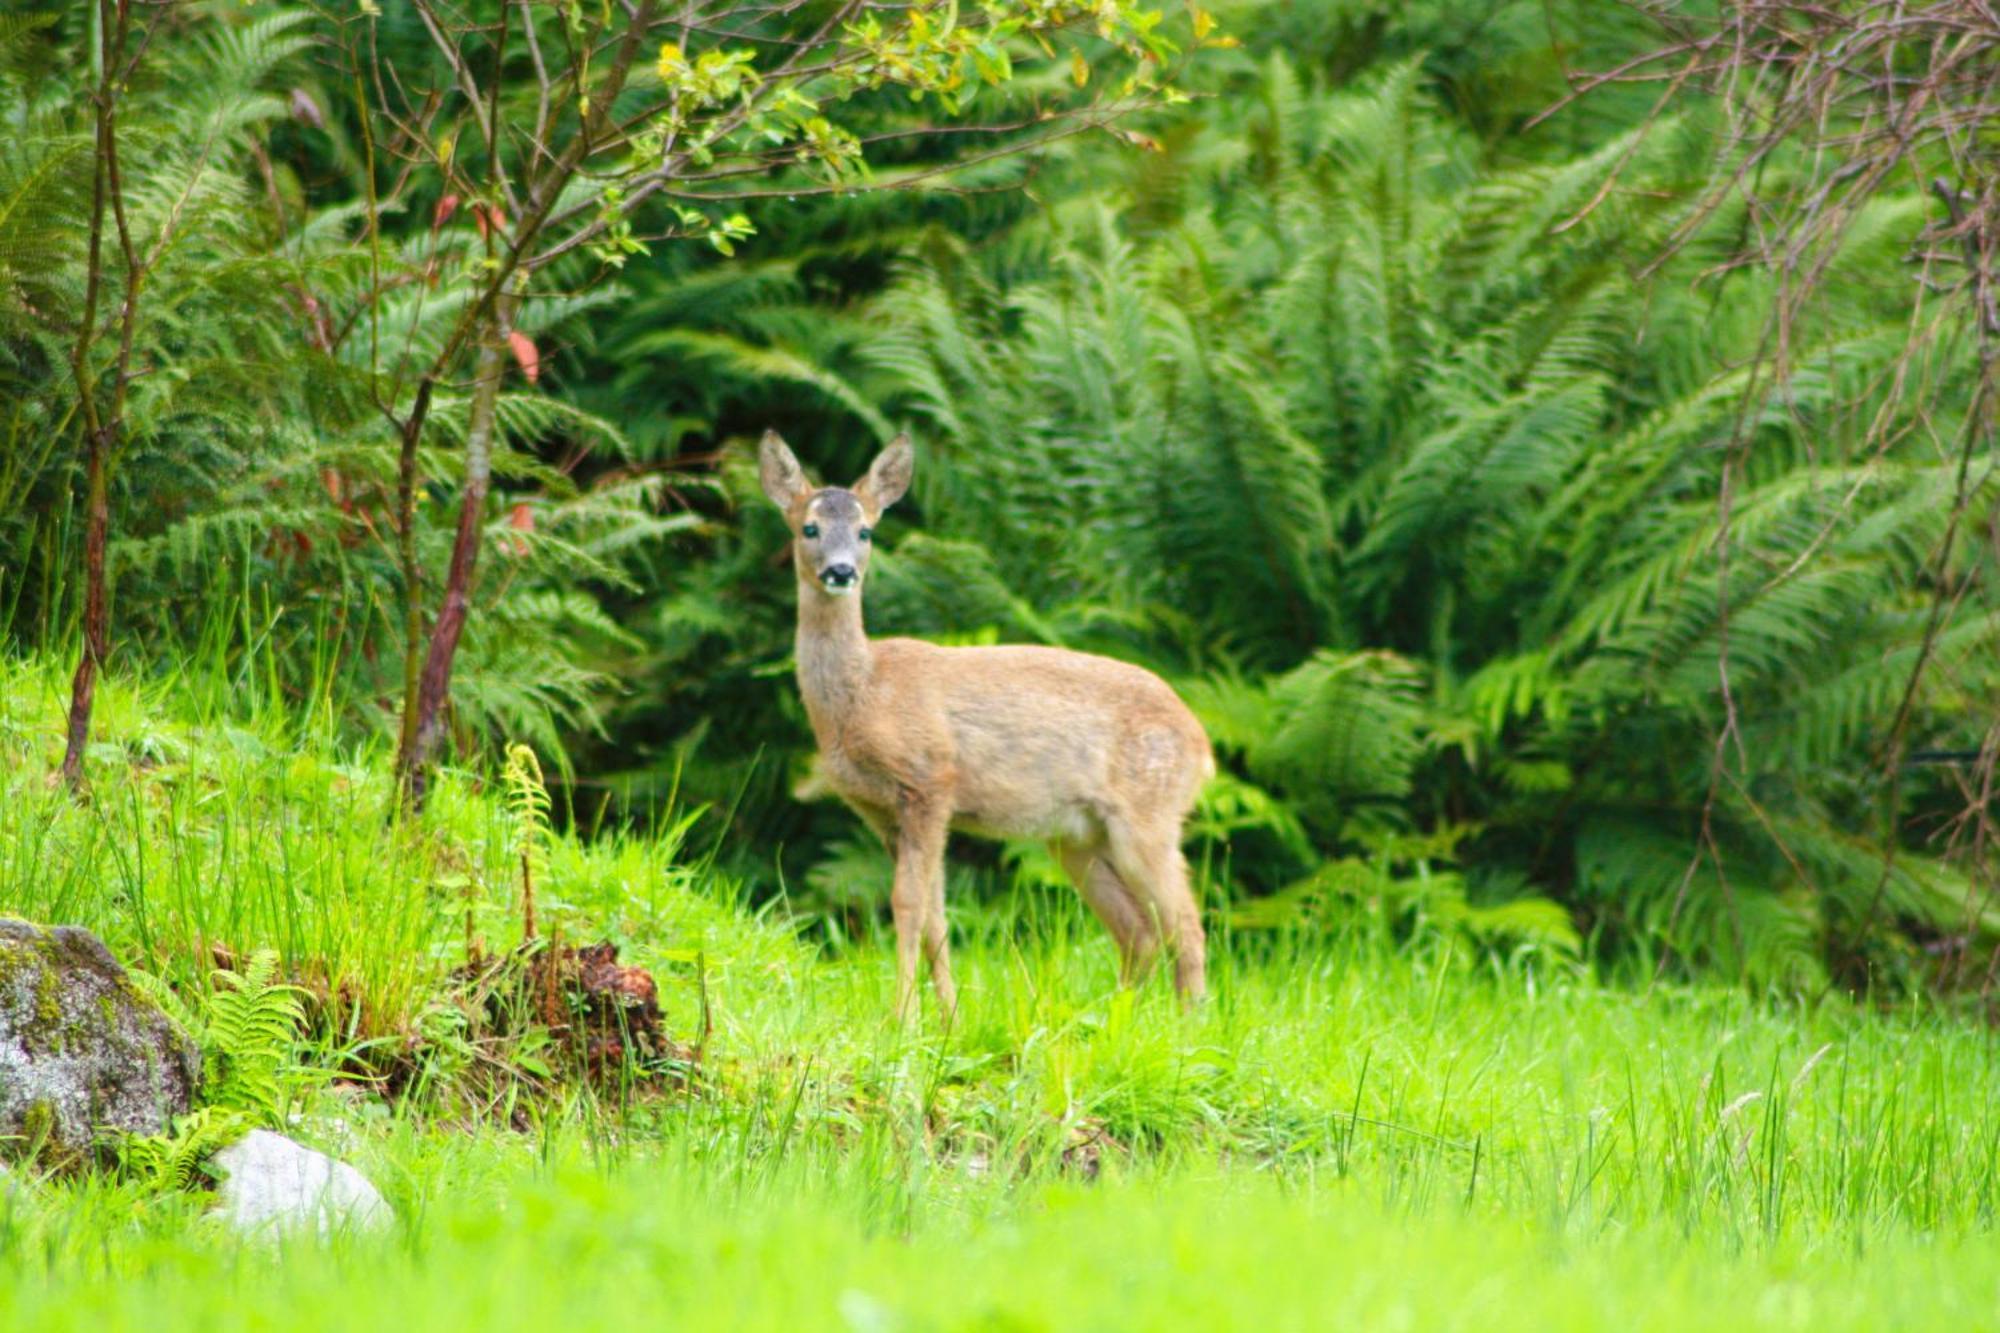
x=833, y=657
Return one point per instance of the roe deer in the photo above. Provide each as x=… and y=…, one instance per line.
x=1099, y=757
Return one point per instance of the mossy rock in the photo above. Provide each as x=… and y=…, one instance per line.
x=81, y=1050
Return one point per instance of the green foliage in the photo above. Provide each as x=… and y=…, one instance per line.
x=252, y=1021
x=253, y=515
x=1337, y=733
x=247, y=1026
x=1500, y=1091
x=1408, y=884
x=1433, y=480
x=1390, y=427
x=1393, y=430
x=528, y=804
x=1364, y=1092
x=171, y=1163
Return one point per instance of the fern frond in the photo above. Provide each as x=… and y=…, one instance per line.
x=528, y=803
x=252, y=1024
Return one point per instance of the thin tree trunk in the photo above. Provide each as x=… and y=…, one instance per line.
x=99, y=429
x=406, y=548
x=424, y=711
x=83, y=686
x=434, y=682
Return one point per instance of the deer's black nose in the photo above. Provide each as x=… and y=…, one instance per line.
x=839, y=576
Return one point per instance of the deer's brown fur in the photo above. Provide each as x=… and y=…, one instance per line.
x=1097, y=756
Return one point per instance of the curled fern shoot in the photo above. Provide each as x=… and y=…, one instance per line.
x=528, y=802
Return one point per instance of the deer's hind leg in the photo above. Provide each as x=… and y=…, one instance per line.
x=1129, y=919
x=1146, y=853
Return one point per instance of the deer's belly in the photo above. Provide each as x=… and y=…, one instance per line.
x=1030, y=805
x=1024, y=814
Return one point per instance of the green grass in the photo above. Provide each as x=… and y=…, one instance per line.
x=663, y=1242
x=1356, y=1128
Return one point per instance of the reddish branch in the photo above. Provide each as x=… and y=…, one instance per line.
x=102, y=423
x=487, y=321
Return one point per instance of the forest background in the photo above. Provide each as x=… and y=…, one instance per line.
x=1569, y=508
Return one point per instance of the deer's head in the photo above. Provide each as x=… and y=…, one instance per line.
x=833, y=526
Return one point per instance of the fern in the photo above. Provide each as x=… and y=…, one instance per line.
x=528, y=803
x=172, y=1162
x=246, y=1027
x=1432, y=481
x=251, y=1022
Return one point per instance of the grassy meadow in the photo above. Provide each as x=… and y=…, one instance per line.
x=1549, y=445
x=1394, y=1130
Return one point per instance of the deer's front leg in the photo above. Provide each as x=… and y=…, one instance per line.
x=937, y=937
x=921, y=829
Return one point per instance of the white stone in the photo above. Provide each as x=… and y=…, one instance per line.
x=271, y=1184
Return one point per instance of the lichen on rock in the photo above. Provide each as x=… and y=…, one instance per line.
x=81, y=1050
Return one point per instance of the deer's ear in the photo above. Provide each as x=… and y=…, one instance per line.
x=888, y=476
x=779, y=471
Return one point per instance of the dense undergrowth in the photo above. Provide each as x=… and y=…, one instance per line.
x=1365, y=1118
x=1390, y=420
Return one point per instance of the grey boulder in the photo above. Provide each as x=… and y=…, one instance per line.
x=271, y=1184
x=81, y=1050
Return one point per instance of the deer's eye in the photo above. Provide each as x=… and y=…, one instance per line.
x=810, y=530
x=867, y=534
